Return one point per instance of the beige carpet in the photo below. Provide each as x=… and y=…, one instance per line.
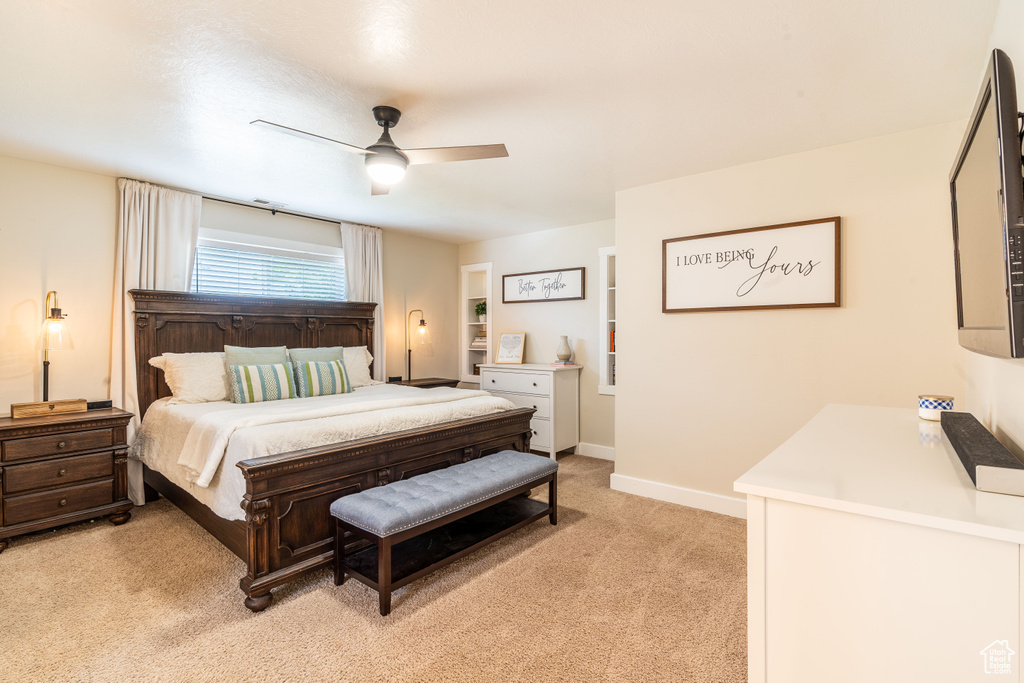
x=623, y=589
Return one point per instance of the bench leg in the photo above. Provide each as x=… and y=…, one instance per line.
x=553, y=499
x=384, y=575
x=339, y=552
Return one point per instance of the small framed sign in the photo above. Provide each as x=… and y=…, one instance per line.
x=793, y=265
x=510, y=347
x=544, y=285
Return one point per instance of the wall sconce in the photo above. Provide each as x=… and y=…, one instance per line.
x=422, y=337
x=55, y=336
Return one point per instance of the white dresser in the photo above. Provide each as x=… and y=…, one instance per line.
x=872, y=557
x=553, y=391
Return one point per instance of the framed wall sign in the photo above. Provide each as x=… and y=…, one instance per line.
x=544, y=285
x=510, y=347
x=793, y=265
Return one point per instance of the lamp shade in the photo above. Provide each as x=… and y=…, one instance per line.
x=55, y=335
x=422, y=335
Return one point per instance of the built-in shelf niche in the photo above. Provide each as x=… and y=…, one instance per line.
x=476, y=287
x=606, y=324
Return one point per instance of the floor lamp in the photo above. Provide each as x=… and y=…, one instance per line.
x=422, y=338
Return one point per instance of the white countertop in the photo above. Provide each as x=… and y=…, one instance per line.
x=886, y=463
x=531, y=367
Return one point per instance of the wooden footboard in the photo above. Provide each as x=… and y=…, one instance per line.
x=287, y=533
x=288, y=496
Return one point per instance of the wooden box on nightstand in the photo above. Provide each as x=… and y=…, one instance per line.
x=59, y=469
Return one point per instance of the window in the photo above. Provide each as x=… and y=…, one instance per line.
x=230, y=267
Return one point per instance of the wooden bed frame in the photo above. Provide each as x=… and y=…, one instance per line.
x=286, y=532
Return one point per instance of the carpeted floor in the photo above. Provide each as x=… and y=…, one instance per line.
x=623, y=589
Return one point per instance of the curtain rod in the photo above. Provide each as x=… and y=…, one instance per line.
x=275, y=211
x=272, y=210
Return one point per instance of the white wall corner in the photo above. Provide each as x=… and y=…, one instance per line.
x=592, y=450
x=702, y=500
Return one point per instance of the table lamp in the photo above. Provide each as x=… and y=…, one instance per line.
x=55, y=336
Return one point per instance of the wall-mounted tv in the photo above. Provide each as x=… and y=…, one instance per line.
x=987, y=193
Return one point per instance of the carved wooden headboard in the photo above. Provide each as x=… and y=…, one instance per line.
x=179, y=322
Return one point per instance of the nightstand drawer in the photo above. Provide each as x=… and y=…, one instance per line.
x=61, y=472
x=519, y=382
x=33, y=506
x=539, y=403
x=57, y=444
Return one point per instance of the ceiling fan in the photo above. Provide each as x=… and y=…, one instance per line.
x=385, y=162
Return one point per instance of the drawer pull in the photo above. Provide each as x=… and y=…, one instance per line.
x=534, y=384
x=63, y=502
x=492, y=381
x=62, y=472
x=535, y=432
x=535, y=407
x=62, y=444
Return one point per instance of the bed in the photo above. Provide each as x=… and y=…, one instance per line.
x=285, y=532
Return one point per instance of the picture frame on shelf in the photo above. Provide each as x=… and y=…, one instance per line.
x=510, y=348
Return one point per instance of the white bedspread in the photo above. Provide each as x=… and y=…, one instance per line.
x=197, y=445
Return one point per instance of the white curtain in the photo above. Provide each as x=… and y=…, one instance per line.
x=156, y=243
x=364, y=280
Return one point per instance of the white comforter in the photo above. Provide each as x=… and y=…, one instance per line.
x=196, y=446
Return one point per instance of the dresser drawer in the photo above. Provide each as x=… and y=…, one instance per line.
x=540, y=403
x=36, y=446
x=519, y=382
x=33, y=506
x=541, y=433
x=60, y=472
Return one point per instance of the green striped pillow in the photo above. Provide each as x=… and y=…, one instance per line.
x=321, y=378
x=255, y=383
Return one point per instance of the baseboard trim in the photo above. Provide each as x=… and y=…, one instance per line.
x=592, y=450
x=702, y=500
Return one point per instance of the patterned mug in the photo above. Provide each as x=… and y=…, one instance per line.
x=930, y=406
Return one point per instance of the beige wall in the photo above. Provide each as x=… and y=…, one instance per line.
x=544, y=322
x=56, y=232
x=421, y=273
x=702, y=397
x=995, y=387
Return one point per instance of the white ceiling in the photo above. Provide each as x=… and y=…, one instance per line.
x=590, y=96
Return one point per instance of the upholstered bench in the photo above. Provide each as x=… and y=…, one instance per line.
x=423, y=523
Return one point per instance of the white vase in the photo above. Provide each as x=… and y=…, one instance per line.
x=564, y=353
x=483, y=318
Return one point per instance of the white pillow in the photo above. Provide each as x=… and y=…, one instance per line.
x=194, y=377
x=357, y=364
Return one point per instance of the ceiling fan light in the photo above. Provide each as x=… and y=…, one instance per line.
x=386, y=169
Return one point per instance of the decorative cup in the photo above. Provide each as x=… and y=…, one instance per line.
x=930, y=406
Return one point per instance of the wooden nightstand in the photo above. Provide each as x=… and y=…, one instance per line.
x=429, y=382
x=59, y=469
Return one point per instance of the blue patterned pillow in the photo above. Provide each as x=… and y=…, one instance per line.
x=321, y=378
x=255, y=383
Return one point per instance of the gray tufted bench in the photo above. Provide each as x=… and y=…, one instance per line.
x=423, y=523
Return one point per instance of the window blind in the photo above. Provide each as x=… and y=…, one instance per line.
x=266, y=273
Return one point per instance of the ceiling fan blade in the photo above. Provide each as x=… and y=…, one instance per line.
x=377, y=188
x=433, y=155
x=306, y=136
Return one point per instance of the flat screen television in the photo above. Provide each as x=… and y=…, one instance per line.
x=987, y=194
